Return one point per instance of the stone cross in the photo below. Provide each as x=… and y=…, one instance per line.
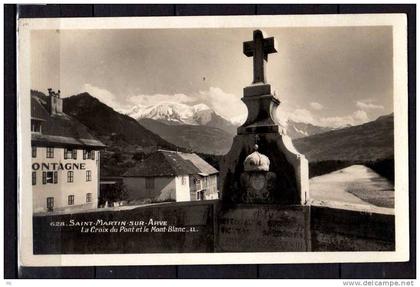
x=259, y=48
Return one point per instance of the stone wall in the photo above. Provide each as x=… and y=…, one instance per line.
x=69, y=240
x=211, y=228
x=345, y=230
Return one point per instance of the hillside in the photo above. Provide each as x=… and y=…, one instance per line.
x=368, y=142
x=297, y=130
x=203, y=139
x=109, y=125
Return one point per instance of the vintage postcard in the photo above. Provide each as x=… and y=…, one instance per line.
x=213, y=140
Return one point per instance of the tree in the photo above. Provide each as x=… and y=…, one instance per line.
x=138, y=156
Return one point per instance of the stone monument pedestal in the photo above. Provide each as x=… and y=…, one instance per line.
x=290, y=168
x=264, y=178
x=264, y=228
x=275, y=172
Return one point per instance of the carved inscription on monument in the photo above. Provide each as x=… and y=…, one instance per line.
x=264, y=228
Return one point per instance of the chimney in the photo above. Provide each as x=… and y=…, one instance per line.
x=55, y=103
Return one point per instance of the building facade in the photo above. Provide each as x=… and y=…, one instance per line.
x=171, y=176
x=65, y=158
x=203, y=187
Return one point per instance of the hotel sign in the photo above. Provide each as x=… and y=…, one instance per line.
x=58, y=166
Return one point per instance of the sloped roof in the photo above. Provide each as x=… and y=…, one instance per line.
x=201, y=164
x=37, y=109
x=60, y=128
x=171, y=163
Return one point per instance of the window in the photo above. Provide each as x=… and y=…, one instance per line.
x=184, y=180
x=49, y=177
x=70, y=176
x=35, y=126
x=68, y=153
x=150, y=183
x=70, y=200
x=88, y=197
x=88, y=175
x=34, y=151
x=50, y=152
x=34, y=178
x=88, y=154
x=50, y=203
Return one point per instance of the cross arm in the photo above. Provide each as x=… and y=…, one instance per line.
x=249, y=48
x=269, y=45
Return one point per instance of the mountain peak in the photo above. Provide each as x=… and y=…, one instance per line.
x=201, y=107
x=173, y=112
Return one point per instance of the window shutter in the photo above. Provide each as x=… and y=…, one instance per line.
x=74, y=152
x=55, y=177
x=44, y=177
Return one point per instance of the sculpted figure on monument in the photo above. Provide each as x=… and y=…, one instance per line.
x=257, y=182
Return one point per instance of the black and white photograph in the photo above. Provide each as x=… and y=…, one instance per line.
x=247, y=139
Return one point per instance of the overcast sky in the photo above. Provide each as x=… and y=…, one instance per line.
x=325, y=76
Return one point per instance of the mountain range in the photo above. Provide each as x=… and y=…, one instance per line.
x=202, y=139
x=199, y=128
x=367, y=142
x=125, y=137
x=177, y=114
x=296, y=130
x=171, y=113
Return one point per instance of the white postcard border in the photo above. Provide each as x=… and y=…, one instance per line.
x=399, y=23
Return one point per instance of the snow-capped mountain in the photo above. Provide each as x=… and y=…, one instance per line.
x=181, y=114
x=173, y=112
x=201, y=115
